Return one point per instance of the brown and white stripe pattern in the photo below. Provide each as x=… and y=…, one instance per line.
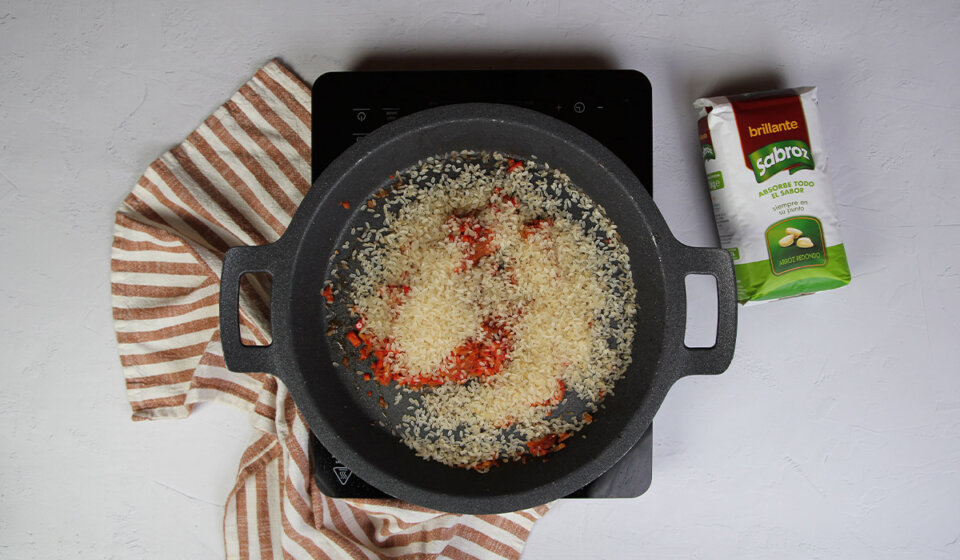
x=237, y=180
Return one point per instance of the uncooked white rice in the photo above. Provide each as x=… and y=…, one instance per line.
x=568, y=299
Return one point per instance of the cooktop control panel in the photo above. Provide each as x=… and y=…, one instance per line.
x=613, y=106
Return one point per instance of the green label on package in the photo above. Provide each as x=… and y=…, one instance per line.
x=715, y=181
x=795, y=243
x=771, y=159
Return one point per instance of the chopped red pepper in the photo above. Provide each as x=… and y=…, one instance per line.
x=483, y=466
x=392, y=293
x=556, y=397
x=513, y=165
x=354, y=339
x=328, y=294
x=477, y=239
x=481, y=357
x=535, y=226
x=542, y=446
x=345, y=204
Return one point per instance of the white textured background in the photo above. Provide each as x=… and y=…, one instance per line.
x=835, y=433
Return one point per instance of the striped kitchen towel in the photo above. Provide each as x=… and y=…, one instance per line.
x=237, y=180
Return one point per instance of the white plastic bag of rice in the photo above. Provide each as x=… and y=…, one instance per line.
x=766, y=170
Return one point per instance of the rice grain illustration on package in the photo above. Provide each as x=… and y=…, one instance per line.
x=767, y=174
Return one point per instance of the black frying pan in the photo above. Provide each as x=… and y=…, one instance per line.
x=336, y=405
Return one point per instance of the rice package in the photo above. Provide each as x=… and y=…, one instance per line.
x=774, y=207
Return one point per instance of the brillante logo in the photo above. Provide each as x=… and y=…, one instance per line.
x=772, y=128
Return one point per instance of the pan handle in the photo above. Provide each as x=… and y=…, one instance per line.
x=237, y=262
x=719, y=264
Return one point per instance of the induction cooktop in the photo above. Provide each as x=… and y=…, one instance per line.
x=613, y=106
